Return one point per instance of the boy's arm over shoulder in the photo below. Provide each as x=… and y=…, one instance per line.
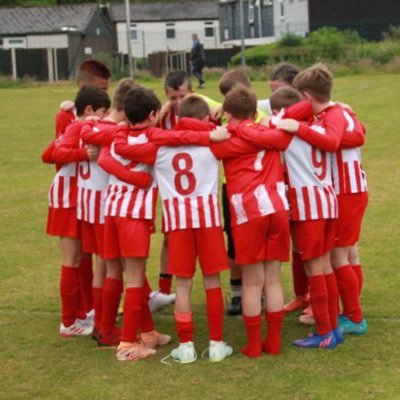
x=93, y=133
x=355, y=134
x=330, y=135
x=64, y=118
x=261, y=135
x=140, y=152
x=113, y=167
x=162, y=137
x=67, y=147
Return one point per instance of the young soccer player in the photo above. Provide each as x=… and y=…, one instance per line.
x=282, y=75
x=93, y=73
x=198, y=226
x=92, y=185
x=62, y=219
x=260, y=222
x=227, y=82
x=315, y=84
x=350, y=185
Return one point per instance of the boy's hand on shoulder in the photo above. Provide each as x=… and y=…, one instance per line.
x=123, y=123
x=344, y=105
x=93, y=152
x=67, y=105
x=92, y=118
x=216, y=113
x=266, y=120
x=219, y=135
x=288, y=125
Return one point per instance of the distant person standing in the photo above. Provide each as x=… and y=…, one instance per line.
x=197, y=60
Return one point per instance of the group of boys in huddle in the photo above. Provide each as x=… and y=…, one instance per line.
x=112, y=163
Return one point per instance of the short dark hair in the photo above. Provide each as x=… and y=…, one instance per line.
x=233, y=77
x=240, y=102
x=175, y=79
x=89, y=69
x=284, y=72
x=284, y=97
x=193, y=106
x=139, y=102
x=91, y=96
x=123, y=87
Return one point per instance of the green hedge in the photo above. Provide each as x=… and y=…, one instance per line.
x=325, y=44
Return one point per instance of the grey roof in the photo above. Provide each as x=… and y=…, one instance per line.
x=167, y=11
x=45, y=19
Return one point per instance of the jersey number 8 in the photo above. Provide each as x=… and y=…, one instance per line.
x=185, y=181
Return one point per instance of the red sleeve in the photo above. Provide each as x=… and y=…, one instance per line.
x=92, y=134
x=233, y=147
x=47, y=155
x=67, y=150
x=271, y=139
x=63, y=120
x=141, y=152
x=335, y=125
x=356, y=137
x=113, y=167
x=301, y=111
x=179, y=137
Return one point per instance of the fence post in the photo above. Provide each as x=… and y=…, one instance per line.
x=50, y=65
x=14, y=63
x=55, y=64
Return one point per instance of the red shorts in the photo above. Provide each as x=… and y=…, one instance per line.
x=313, y=239
x=92, y=238
x=126, y=237
x=351, y=212
x=262, y=239
x=185, y=245
x=63, y=222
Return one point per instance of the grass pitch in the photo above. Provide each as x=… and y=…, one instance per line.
x=35, y=363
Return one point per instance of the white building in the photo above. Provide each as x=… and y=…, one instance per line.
x=166, y=26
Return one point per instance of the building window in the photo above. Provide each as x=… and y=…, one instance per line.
x=209, y=31
x=170, y=31
x=251, y=14
x=134, y=32
x=282, y=10
x=226, y=34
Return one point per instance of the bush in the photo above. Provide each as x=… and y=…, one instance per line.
x=290, y=40
x=392, y=34
x=327, y=43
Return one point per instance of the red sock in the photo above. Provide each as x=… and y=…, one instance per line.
x=272, y=343
x=69, y=287
x=254, y=344
x=184, y=326
x=86, y=283
x=215, y=313
x=165, y=283
x=333, y=299
x=319, y=303
x=80, y=308
x=146, y=319
x=98, y=306
x=359, y=273
x=348, y=289
x=112, y=291
x=146, y=288
x=132, y=313
x=300, y=280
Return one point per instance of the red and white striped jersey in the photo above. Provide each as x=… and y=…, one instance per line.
x=187, y=178
x=254, y=178
x=348, y=174
x=92, y=182
x=169, y=121
x=63, y=191
x=311, y=195
x=127, y=200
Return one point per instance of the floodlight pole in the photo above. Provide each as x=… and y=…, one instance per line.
x=243, y=48
x=128, y=35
